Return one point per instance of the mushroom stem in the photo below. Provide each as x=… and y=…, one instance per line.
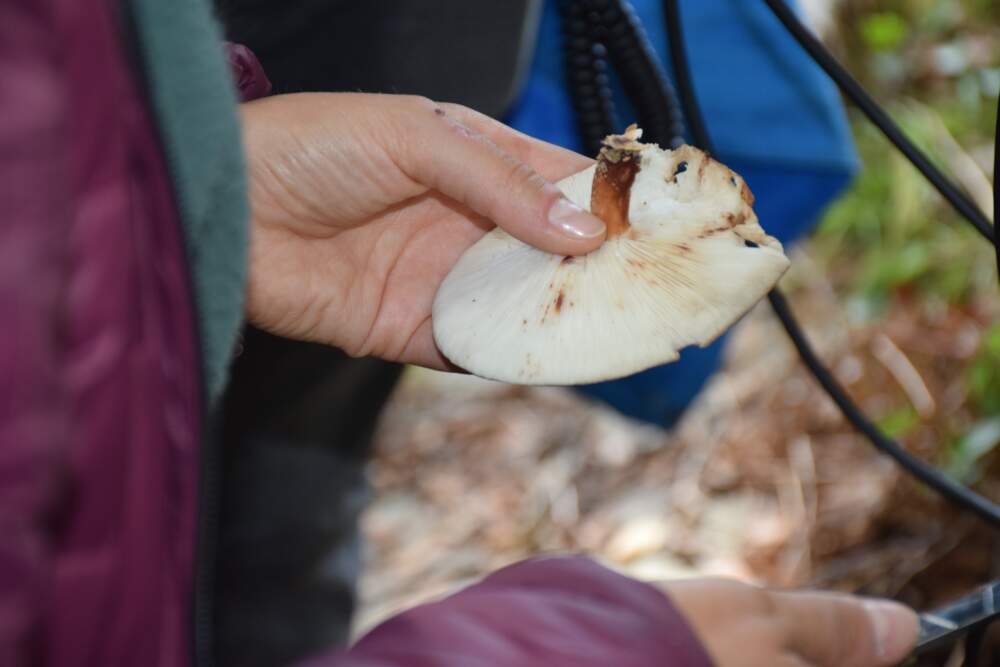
x=617, y=166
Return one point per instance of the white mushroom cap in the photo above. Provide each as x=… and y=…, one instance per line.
x=676, y=272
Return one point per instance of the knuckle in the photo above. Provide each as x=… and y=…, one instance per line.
x=761, y=601
x=786, y=630
x=419, y=103
x=769, y=639
x=520, y=175
x=521, y=144
x=771, y=634
x=410, y=116
x=457, y=110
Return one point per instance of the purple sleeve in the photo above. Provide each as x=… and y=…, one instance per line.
x=35, y=201
x=550, y=612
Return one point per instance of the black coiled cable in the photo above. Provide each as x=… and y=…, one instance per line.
x=636, y=64
x=587, y=74
x=642, y=74
x=926, y=473
x=598, y=32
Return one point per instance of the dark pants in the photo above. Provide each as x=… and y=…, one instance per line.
x=298, y=418
x=298, y=422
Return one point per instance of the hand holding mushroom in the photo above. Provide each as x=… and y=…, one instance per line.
x=361, y=204
x=371, y=232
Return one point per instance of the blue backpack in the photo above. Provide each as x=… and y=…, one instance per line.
x=773, y=117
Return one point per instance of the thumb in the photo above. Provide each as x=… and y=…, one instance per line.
x=830, y=629
x=444, y=154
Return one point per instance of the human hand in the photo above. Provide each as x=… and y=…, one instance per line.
x=361, y=204
x=746, y=626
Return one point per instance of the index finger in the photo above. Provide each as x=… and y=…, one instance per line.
x=444, y=154
x=552, y=162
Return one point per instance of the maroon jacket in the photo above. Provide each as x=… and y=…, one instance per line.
x=101, y=406
x=99, y=387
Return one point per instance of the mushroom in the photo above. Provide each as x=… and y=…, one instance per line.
x=684, y=259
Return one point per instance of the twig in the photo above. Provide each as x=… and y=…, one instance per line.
x=957, y=656
x=905, y=373
x=802, y=470
x=965, y=169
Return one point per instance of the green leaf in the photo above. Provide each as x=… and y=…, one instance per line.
x=984, y=373
x=981, y=439
x=993, y=341
x=883, y=31
x=899, y=422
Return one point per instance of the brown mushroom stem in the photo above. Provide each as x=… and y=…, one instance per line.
x=617, y=166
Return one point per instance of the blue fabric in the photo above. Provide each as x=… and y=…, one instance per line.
x=660, y=395
x=773, y=117
x=761, y=95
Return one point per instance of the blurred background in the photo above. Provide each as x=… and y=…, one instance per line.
x=341, y=508
x=762, y=479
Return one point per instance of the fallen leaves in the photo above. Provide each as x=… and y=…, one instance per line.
x=762, y=480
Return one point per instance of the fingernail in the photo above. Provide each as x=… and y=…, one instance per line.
x=573, y=221
x=895, y=629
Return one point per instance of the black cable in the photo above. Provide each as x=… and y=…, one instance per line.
x=596, y=32
x=958, y=199
x=638, y=68
x=587, y=77
x=926, y=473
x=996, y=197
x=682, y=74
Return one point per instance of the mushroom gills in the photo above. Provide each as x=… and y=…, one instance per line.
x=685, y=258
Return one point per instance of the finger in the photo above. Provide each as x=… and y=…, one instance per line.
x=444, y=154
x=421, y=350
x=830, y=630
x=550, y=161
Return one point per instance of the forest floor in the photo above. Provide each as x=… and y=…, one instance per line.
x=763, y=480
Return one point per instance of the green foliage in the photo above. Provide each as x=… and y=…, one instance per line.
x=900, y=422
x=892, y=230
x=965, y=455
x=883, y=31
x=984, y=9
x=891, y=240
x=984, y=373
